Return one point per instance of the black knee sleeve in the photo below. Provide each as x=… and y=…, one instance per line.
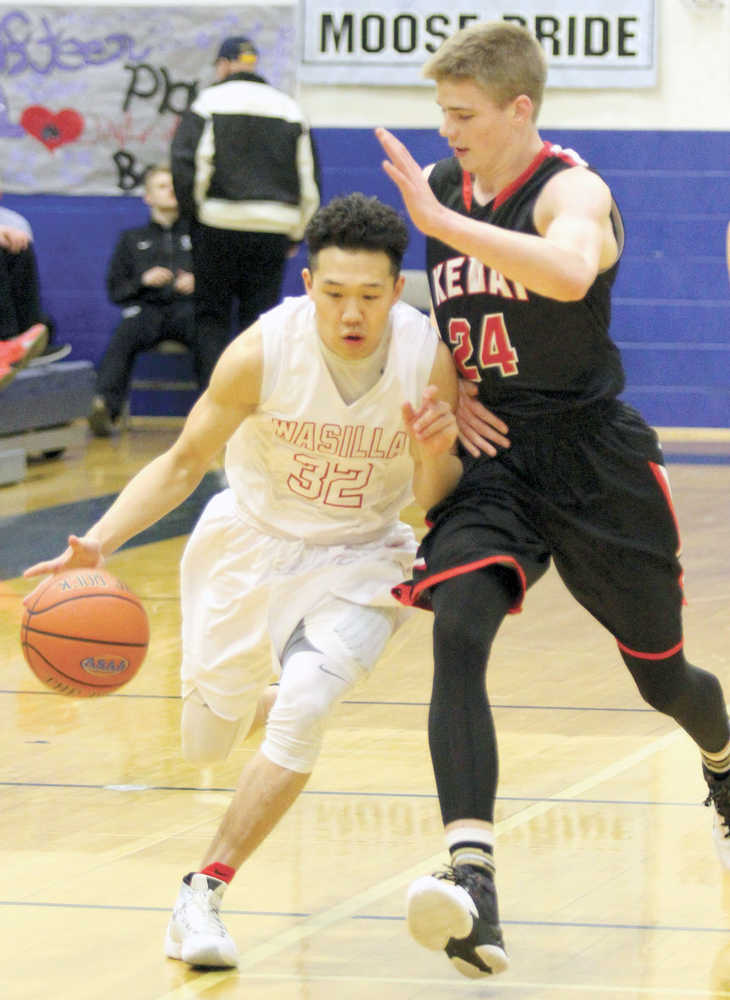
x=468, y=610
x=690, y=695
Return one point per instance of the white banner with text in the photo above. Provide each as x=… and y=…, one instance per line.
x=587, y=44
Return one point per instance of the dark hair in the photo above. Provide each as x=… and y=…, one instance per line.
x=355, y=222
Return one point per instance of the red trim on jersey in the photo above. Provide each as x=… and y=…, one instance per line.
x=408, y=593
x=467, y=190
x=548, y=149
x=517, y=183
x=651, y=656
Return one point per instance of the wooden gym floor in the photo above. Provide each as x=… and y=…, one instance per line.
x=609, y=887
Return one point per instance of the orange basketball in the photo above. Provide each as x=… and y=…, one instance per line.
x=85, y=633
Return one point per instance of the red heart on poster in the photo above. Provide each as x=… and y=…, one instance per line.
x=53, y=130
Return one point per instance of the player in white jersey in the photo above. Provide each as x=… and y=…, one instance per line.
x=335, y=408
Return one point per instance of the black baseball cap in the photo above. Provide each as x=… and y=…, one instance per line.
x=234, y=48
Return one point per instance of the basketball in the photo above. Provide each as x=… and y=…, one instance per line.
x=85, y=633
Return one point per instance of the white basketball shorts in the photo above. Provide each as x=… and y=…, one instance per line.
x=244, y=592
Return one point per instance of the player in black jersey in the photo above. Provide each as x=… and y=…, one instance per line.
x=523, y=245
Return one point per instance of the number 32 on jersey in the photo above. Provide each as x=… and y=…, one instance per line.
x=493, y=350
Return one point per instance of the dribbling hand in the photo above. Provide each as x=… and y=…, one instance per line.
x=82, y=553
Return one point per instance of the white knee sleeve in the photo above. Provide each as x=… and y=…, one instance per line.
x=296, y=722
x=335, y=647
x=206, y=737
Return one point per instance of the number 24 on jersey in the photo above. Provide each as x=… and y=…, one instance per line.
x=493, y=350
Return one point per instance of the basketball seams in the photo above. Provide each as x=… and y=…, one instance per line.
x=40, y=594
x=80, y=638
x=70, y=598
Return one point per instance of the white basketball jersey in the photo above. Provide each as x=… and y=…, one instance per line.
x=306, y=464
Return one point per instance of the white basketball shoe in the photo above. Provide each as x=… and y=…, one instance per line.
x=196, y=934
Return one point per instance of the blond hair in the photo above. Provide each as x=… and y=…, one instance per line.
x=504, y=59
x=156, y=168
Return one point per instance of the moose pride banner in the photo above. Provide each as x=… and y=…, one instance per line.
x=587, y=44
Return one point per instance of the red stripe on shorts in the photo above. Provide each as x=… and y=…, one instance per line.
x=409, y=594
x=660, y=474
x=651, y=656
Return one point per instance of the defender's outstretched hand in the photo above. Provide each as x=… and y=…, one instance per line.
x=403, y=170
x=433, y=425
x=479, y=429
x=81, y=553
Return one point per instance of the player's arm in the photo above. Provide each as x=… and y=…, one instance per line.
x=572, y=218
x=480, y=430
x=123, y=278
x=433, y=432
x=170, y=478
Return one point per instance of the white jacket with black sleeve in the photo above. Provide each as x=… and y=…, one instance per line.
x=243, y=159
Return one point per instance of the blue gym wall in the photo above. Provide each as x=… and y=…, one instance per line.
x=672, y=298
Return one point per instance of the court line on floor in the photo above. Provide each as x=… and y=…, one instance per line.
x=504, y=985
x=341, y=793
x=30, y=904
x=377, y=703
x=346, y=909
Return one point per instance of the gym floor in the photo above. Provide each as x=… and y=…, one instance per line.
x=609, y=886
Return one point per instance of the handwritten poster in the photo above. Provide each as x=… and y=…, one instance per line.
x=91, y=96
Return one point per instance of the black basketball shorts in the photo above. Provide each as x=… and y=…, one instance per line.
x=589, y=492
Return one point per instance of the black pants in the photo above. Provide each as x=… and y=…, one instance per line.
x=469, y=609
x=232, y=266
x=589, y=491
x=20, y=305
x=141, y=332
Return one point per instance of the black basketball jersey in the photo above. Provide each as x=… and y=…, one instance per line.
x=529, y=354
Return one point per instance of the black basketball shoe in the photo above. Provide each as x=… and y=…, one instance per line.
x=719, y=796
x=456, y=911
